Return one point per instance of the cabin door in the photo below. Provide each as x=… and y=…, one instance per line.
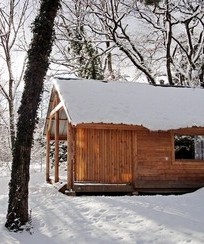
x=105, y=156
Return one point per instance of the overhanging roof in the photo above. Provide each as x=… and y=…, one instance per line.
x=129, y=103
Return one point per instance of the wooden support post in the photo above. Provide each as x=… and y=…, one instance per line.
x=135, y=159
x=70, y=156
x=48, y=156
x=57, y=146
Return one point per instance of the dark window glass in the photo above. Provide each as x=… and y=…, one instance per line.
x=189, y=147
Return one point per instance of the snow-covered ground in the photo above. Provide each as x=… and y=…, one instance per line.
x=60, y=219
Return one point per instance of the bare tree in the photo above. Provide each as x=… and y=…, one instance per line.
x=188, y=54
x=161, y=38
x=13, y=15
x=75, y=47
x=5, y=154
x=181, y=29
x=113, y=17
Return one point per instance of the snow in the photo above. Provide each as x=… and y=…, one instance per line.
x=154, y=107
x=57, y=218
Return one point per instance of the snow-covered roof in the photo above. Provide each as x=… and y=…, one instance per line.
x=154, y=107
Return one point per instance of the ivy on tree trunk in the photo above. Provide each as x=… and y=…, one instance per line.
x=38, y=62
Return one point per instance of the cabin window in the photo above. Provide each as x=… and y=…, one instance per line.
x=189, y=147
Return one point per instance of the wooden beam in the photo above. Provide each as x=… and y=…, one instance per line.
x=111, y=126
x=189, y=131
x=56, y=109
x=49, y=124
x=70, y=156
x=48, y=156
x=52, y=114
x=91, y=187
x=61, y=138
x=135, y=158
x=57, y=146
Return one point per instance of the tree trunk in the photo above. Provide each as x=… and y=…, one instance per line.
x=201, y=76
x=38, y=62
x=168, y=44
x=109, y=58
x=11, y=122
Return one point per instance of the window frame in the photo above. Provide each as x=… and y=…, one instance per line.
x=186, y=133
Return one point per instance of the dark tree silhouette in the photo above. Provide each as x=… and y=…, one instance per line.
x=38, y=62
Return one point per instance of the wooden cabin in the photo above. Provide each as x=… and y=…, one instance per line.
x=127, y=137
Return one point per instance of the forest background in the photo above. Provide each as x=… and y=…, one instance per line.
x=159, y=42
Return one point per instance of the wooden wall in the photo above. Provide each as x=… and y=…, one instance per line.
x=157, y=167
x=105, y=155
x=133, y=156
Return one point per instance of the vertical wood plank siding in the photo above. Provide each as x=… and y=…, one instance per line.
x=139, y=157
x=104, y=155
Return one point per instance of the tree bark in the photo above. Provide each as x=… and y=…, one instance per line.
x=12, y=123
x=38, y=62
x=168, y=45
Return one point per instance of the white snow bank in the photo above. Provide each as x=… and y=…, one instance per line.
x=154, y=107
x=59, y=219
